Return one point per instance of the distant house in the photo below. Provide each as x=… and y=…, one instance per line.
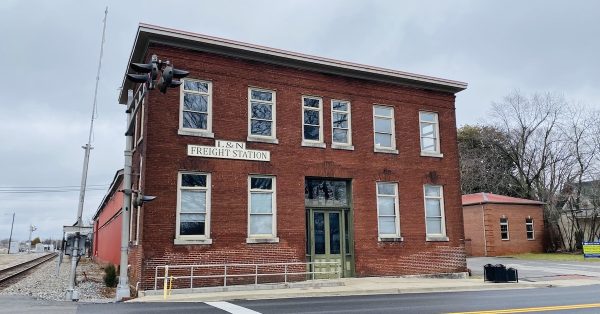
x=499, y=225
x=580, y=217
x=107, y=224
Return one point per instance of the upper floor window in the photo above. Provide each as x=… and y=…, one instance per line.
x=435, y=225
x=341, y=133
x=383, y=127
x=193, y=207
x=261, y=117
x=529, y=228
x=196, y=108
x=387, y=210
x=262, y=221
x=312, y=121
x=504, y=229
x=429, y=129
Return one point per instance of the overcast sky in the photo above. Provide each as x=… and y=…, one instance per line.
x=49, y=52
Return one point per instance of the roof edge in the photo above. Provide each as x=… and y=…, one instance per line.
x=117, y=178
x=152, y=33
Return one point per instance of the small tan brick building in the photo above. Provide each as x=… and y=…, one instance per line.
x=498, y=225
x=265, y=155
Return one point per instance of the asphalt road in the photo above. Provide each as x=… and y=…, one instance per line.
x=587, y=297
x=531, y=270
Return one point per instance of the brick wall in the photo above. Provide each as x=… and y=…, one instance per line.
x=517, y=242
x=474, y=230
x=164, y=154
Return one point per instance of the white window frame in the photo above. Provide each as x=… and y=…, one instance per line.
x=381, y=149
x=263, y=238
x=435, y=236
x=313, y=143
x=194, y=239
x=397, y=235
x=507, y=229
x=348, y=145
x=436, y=124
x=192, y=131
x=532, y=229
x=261, y=138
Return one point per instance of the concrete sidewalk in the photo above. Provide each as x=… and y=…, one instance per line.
x=363, y=286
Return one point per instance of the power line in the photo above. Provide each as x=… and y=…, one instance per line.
x=48, y=187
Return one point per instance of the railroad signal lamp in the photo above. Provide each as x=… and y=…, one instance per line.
x=148, y=73
x=168, y=77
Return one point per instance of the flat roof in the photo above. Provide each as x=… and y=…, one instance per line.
x=148, y=34
x=490, y=198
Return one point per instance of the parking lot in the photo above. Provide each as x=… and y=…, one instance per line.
x=534, y=270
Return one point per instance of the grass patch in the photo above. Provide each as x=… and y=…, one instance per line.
x=566, y=257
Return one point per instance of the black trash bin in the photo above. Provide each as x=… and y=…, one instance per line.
x=489, y=272
x=499, y=273
x=512, y=274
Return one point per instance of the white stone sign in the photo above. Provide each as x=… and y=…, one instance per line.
x=228, y=150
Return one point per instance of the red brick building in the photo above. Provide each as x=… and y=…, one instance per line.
x=106, y=245
x=265, y=155
x=498, y=225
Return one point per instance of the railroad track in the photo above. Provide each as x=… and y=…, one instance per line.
x=12, y=274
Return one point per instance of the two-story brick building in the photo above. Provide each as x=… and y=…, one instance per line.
x=265, y=155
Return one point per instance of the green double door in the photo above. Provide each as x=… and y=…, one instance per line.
x=328, y=242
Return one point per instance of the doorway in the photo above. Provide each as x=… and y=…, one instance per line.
x=329, y=228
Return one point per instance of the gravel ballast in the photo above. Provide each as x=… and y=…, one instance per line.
x=44, y=283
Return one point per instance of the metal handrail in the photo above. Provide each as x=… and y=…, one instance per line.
x=255, y=274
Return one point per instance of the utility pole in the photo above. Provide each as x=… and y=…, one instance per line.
x=123, y=290
x=168, y=79
x=71, y=293
x=11, y=230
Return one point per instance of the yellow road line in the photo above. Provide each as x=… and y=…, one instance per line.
x=535, y=309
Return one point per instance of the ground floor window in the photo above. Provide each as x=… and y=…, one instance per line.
x=193, y=206
x=504, y=229
x=434, y=210
x=529, y=228
x=387, y=210
x=262, y=207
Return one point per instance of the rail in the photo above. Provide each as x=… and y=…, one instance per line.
x=16, y=270
x=333, y=269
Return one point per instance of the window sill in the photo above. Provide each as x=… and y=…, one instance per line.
x=342, y=146
x=192, y=241
x=436, y=155
x=262, y=139
x=505, y=239
x=262, y=240
x=437, y=239
x=390, y=239
x=196, y=133
x=314, y=144
x=386, y=150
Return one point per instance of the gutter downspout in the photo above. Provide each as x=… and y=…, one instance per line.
x=484, y=234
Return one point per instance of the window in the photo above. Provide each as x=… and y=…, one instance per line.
x=193, y=210
x=196, y=108
x=504, y=228
x=435, y=224
x=383, y=127
x=430, y=140
x=529, y=228
x=387, y=210
x=262, y=209
x=312, y=125
x=341, y=133
x=261, y=117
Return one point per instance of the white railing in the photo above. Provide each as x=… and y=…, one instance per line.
x=326, y=268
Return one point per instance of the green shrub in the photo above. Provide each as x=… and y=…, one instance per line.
x=110, y=276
